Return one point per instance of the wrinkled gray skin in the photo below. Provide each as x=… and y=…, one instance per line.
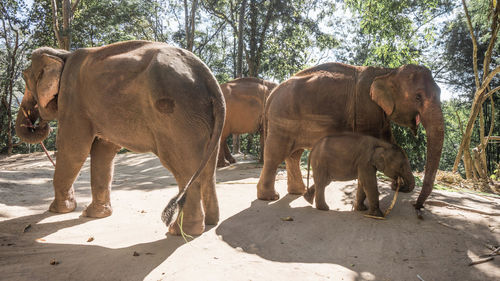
x=144, y=96
x=351, y=156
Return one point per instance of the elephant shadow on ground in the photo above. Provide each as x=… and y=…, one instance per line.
x=401, y=244
x=29, y=182
x=25, y=256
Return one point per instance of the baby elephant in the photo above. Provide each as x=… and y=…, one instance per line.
x=349, y=156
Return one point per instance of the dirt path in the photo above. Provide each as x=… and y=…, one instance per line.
x=251, y=242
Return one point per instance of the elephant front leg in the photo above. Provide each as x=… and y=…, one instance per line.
x=368, y=179
x=359, y=204
x=101, y=176
x=73, y=149
x=295, y=183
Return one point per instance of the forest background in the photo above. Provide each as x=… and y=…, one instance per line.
x=273, y=39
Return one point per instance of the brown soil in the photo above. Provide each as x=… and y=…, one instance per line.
x=255, y=240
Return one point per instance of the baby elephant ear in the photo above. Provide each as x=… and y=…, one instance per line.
x=382, y=93
x=47, y=86
x=378, y=158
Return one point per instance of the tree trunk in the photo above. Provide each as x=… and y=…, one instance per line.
x=478, y=163
x=249, y=143
x=66, y=44
x=11, y=49
x=189, y=23
x=236, y=144
x=63, y=37
x=251, y=56
x=239, y=62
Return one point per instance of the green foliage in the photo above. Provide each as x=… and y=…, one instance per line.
x=385, y=33
x=391, y=33
x=414, y=146
x=454, y=112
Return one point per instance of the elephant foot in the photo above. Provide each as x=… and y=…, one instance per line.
x=309, y=195
x=62, y=206
x=360, y=207
x=231, y=160
x=188, y=227
x=268, y=195
x=211, y=219
x=296, y=188
x=98, y=210
x=376, y=212
x=322, y=206
x=221, y=164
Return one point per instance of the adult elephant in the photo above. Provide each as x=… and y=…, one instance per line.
x=245, y=101
x=335, y=97
x=145, y=96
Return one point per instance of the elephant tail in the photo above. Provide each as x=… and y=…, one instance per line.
x=309, y=194
x=219, y=113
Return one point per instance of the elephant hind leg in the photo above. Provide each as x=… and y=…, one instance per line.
x=208, y=194
x=319, y=195
x=101, y=176
x=295, y=183
x=227, y=153
x=221, y=159
x=275, y=151
x=182, y=162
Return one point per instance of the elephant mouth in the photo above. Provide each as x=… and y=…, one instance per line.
x=31, y=122
x=403, y=185
x=414, y=124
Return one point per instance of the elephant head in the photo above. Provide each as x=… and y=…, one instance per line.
x=392, y=161
x=39, y=104
x=408, y=95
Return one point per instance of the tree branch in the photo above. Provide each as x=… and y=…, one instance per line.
x=474, y=44
x=55, y=23
x=73, y=8
x=494, y=33
x=201, y=46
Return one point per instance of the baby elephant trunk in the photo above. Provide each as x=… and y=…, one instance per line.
x=406, y=182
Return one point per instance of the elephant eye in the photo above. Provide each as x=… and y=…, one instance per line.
x=418, y=97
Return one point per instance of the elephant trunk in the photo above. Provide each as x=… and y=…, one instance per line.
x=432, y=120
x=409, y=181
x=30, y=127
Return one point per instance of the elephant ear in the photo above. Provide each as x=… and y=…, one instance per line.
x=382, y=92
x=47, y=86
x=378, y=158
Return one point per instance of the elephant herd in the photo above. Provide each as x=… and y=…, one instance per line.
x=152, y=97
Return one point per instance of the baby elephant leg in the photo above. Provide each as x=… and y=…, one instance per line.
x=359, y=204
x=368, y=180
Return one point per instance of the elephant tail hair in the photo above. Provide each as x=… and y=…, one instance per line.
x=175, y=204
x=219, y=114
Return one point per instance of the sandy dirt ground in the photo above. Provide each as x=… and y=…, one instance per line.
x=253, y=241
